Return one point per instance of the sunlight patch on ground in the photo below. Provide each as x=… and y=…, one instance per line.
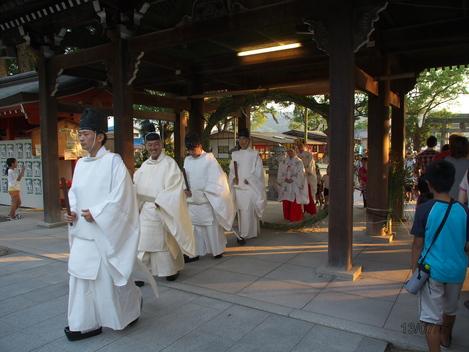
x=58, y=256
x=272, y=248
x=17, y=259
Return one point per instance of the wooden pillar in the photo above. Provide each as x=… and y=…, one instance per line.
x=196, y=116
x=244, y=114
x=196, y=113
x=179, y=134
x=3, y=68
x=378, y=159
x=341, y=73
x=397, y=158
x=122, y=104
x=49, y=143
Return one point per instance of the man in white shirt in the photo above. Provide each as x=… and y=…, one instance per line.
x=210, y=202
x=165, y=223
x=248, y=185
x=103, y=238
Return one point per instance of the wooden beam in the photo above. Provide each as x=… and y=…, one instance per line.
x=258, y=18
x=154, y=115
x=365, y=82
x=306, y=88
x=161, y=101
x=393, y=99
x=83, y=57
x=368, y=84
x=136, y=114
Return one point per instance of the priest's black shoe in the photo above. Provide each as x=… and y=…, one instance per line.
x=139, y=283
x=78, y=335
x=241, y=241
x=219, y=256
x=172, y=277
x=188, y=259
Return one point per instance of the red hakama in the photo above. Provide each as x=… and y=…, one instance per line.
x=311, y=207
x=292, y=211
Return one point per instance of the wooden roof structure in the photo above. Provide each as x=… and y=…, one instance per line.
x=188, y=49
x=182, y=43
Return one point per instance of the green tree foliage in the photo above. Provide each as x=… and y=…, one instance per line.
x=230, y=105
x=315, y=121
x=318, y=120
x=261, y=113
x=433, y=89
x=12, y=67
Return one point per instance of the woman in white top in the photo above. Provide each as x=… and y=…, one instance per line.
x=14, y=186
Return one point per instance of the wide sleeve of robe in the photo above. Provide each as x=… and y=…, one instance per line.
x=218, y=193
x=173, y=208
x=300, y=182
x=117, y=218
x=257, y=184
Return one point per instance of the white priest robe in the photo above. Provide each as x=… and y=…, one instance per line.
x=250, y=199
x=297, y=191
x=103, y=252
x=211, y=206
x=164, y=229
x=310, y=171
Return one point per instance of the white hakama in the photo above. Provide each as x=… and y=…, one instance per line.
x=250, y=198
x=166, y=229
x=211, y=205
x=103, y=252
x=97, y=303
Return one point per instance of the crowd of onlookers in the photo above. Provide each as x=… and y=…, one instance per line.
x=456, y=153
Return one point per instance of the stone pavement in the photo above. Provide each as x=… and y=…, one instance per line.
x=264, y=296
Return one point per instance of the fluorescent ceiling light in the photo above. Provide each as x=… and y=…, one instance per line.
x=269, y=49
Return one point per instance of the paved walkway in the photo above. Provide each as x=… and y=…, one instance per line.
x=265, y=296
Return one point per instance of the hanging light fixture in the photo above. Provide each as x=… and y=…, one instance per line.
x=269, y=49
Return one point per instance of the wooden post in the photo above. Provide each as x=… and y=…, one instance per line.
x=3, y=68
x=397, y=155
x=341, y=73
x=378, y=159
x=179, y=134
x=49, y=144
x=244, y=115
x=306, y=125
x=122, y=104
x=196, y=116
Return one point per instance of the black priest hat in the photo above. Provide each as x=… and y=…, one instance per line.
x=93, y=120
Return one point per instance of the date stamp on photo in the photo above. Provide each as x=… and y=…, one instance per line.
x=413, y=328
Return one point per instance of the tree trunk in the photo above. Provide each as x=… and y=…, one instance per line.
x=416, y=139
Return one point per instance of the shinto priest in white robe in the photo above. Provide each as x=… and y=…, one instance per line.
x=165, y=229
x=211, y=206
x=103, y=252
x=250, y=199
